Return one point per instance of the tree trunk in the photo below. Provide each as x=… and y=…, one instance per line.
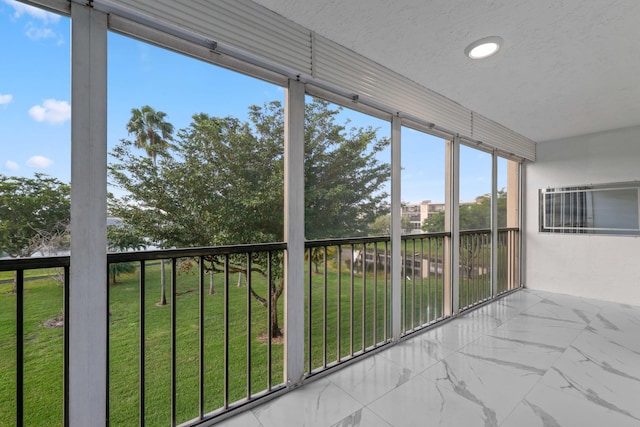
x=163, y=285
x=15, y=282
x=212, y=289
x=276, y=332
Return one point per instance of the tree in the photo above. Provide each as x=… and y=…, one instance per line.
x=34, y=215
x=122, y=237
x=382, y=225
x=222, y=183
x=152, y=133
x=318, y=256
x=473, y=216
x=343, y=176
x=31, y=208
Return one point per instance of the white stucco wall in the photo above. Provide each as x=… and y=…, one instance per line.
x=602, y=267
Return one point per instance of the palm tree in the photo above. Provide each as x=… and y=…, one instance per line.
x=152, y=132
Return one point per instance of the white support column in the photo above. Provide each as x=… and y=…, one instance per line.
x=396, y=231
x=494, y=223
x=522, y=248
x=88, y=305
x=452, y=225
x=294, y=233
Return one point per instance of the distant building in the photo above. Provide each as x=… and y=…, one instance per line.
x=418, y=212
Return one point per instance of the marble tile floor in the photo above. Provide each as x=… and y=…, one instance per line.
x=529, y=359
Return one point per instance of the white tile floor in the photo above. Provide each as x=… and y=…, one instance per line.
x=530, y=359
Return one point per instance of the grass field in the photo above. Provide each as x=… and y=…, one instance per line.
x=355, y=308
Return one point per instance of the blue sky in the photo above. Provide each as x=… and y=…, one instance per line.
x=35, y=109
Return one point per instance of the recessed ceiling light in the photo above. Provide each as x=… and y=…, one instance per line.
x=483, y=48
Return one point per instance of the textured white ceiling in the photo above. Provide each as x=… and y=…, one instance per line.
x=567, y=67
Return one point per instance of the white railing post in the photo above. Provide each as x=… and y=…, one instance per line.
x=494, y=224
x=396, y=231
x=88, y=306
x=294, y=233
x=452, y=225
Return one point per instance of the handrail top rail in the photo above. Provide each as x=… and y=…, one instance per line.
x=114, y=257
x=11, y=264
x=338, y=241
x=25, y=263
x=487, y=230
x=425, y=235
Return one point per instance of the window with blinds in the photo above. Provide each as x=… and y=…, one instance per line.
x=594, y=209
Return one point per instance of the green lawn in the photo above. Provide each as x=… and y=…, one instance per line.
x=355, y=315
x=8, y=275
x=43, y=354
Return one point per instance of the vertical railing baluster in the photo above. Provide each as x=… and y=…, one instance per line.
x=65, y=334
x=269, y=317
x=439, y=277
x=505, y=259
x=201, y=342
x=339, y=306
x=19, y=278
x=174, y=370
x=375, y=294
x=429, y=276
x=226, y=333
x=422, y=266
x=324, y=307
x=387, y=318
x=490, y=272
x=413, y=284
x=437, y=305
x=108, y=323
x=486, y=268
x=475, y=245
x=482, y=284
x=142, y=341
x=440, y=297
x=309, y=310
x=351, y=300
x=403, y=308
x=463, y=262
x=479, y=284
x=486, y=285
x=364, y=296
x=248, y=284
x=472, y=281
x=515, y=250
x=476, y=283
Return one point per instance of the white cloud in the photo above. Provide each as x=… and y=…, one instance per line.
x=33, y=12
x=5, y=99
x=39, y=162
x=39, y=33
x=51, y=111
x=35, y=32
x=11, y=165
